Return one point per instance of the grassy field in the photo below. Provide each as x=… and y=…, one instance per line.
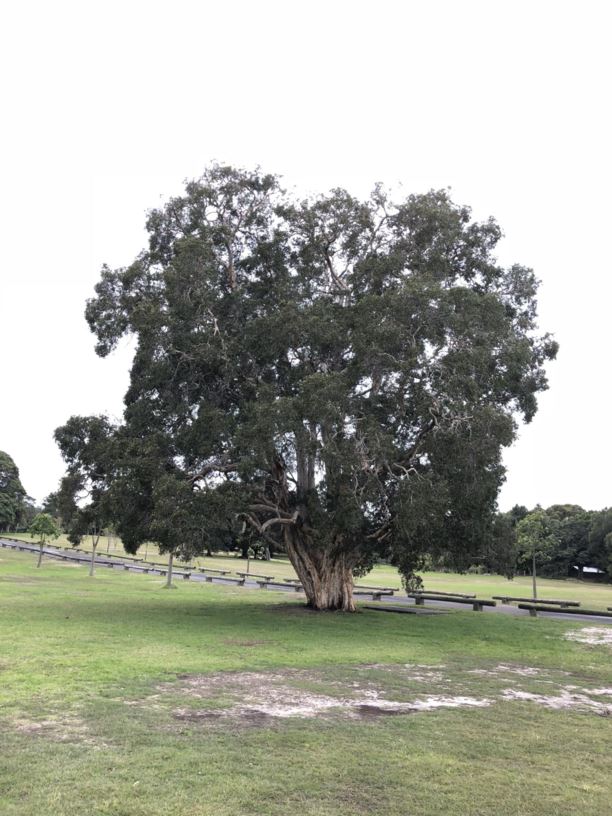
x=120, y=698
x=590, y=595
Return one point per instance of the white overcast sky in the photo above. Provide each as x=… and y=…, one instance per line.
x=107, y=107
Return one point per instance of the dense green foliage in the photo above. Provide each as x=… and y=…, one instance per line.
x=83, y=500
x=44, y=527
x=12, y=494
x=337, y=374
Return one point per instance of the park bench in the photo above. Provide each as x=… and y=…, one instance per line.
x=175, y=572
x=510, y=598
x=477, y=603
x=255, y=575
x=386, y=590
x=376, y=594
x=122, y=557
x=210, y=569
x=406, y=610
x=262, y=584
x=237, y=581
x=445, y=594
x=138, y=568
x=534, y=608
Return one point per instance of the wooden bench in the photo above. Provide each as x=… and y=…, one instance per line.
x=375, y=594
x=509, y=598
x=265, y=584
x=445, y=594
x=477, y=603
x=237, y=581
x=210, y=569
x=386, y=590
x=533, y=610
x=255, y=575
x=138, y=568
x=175, y=573
x=406, y=610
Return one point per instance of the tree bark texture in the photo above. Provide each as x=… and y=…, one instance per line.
x=327, y=578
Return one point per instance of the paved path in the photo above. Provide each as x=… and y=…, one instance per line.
x=116, y=562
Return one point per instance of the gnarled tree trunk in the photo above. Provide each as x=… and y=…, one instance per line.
x=327, y=577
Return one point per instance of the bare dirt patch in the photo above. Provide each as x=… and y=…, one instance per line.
x=565, y=698
x=367, y=692
x=67, y=728
x=592, y=635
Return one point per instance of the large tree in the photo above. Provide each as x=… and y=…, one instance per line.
x=341, y=374
x=12, y=494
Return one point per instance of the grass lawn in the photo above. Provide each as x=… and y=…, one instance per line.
x=120, y=698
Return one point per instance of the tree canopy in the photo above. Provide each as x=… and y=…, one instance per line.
x=12, y=494
x=335, y=373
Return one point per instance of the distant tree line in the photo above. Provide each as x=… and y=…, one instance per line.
x=565, y=537
x=17, y=509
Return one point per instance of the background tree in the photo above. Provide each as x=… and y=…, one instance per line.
x=45, y=528
x=12, y=493
x=83, y=500
x=50, y=505
x=599, y=552
x=538, y=536
x=351, y=369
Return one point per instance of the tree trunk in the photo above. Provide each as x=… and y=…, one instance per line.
x=327, y=578
x=169, y=573
x=94, y=543
x=40, y=553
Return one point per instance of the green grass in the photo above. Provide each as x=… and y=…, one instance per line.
x=90, y=683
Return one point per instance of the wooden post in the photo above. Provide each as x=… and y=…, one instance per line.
x=533, y=575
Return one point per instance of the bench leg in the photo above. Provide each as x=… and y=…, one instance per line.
x=477, y=607
x=419, y=601
x=533, y=613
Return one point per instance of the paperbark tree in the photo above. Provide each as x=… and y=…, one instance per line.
x=335, y=373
